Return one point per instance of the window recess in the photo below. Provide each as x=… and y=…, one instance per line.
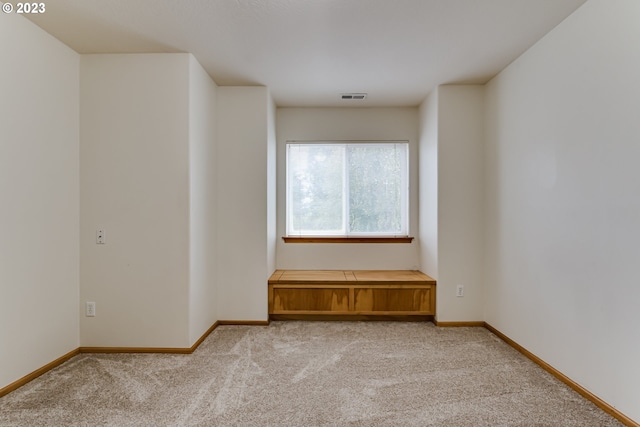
x=347, y=190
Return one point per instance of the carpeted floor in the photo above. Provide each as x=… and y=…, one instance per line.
x=308, y=374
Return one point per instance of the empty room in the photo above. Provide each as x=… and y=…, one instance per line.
x=320, y=212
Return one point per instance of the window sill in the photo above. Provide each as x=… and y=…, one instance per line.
x=290, y=239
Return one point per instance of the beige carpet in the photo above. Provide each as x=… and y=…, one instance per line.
x=308, y=374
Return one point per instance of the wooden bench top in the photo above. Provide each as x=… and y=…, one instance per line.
x=345, y=276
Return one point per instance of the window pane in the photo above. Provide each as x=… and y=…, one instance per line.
x=376, y=188
x=347, y=189
x=316, y=187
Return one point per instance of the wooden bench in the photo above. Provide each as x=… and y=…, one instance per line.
x=351, y=294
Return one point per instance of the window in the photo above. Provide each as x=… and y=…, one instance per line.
x=347, y=189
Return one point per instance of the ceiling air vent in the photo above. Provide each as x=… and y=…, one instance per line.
x=357, y=96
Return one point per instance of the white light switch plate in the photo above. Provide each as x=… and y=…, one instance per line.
x=101, y=237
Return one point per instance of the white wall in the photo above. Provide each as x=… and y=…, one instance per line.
x=452, y=198
x=272, y=219
x=313, y=124
x=428, y=188
x=39, y=181
x=202, y=201
x=563, y=212
x=134, y=177
x=243, y=202
x=460, y=202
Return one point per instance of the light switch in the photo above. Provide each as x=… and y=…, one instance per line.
x=101, y=237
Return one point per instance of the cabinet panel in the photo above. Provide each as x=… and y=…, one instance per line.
x=388, y=300
x=305, y=299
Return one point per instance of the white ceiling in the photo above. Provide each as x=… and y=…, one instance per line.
x=309, y=51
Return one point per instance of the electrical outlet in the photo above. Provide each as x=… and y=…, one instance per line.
x=101, y=237
x=90, y=309
x=460, y=291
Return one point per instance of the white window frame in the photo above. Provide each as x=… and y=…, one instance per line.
x=404, y=204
